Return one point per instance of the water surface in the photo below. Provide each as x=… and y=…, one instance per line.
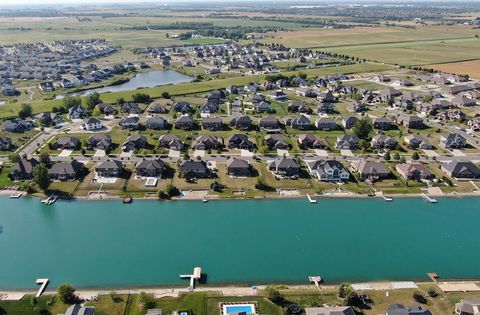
x=109, y=244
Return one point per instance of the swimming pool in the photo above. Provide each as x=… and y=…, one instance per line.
x=238, y=308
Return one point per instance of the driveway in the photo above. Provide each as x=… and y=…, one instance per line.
x=246, y=153
x=348, y=153
x=65, y=153
x=175, y=154
x=322, y=153
x=126, y=154
x=200, y=153
x=99, y=153
x=282, y=152
x=431, y=153
x=458, y=153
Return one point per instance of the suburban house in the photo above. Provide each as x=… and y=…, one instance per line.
x=23, y=169
x=183, y=107
x=66, y=143
x=130, y=108
x=326, y=123
x=46, y=86
x=240, y=141
x=370, y=169
x=92, y=124
x=185, y=122
x=349, y=121
x=130, y=123
x=468, y=307
x=238, y=167
x=242, y=123
x=17, y=125
x=194, y=169
x=150, y=168
x=310, y=141
x=452, y=141
x=134, y=142
x=414, y=171
x=47, y=119
x=66, y=171
x=381, y=141
x=417, y=142
x=399, y=309
x=276, y=141
x=170, y=141
x=156, y=108
x=101, y=141
x=207, y=142
x=77, y=112
x=331, y=310
x=463, y=101
x=77, y=309
x=284, y=167
x=328, y=170
x=382, y=123
x=106, y=109
x=269, y=124
x=212, y=123
x=109, y=168
x=263, y=107
x=461, y=170
x=325, y=108
x=5, y=143
x=347, y=142
x=156, y=123
x=301, y=123
x=410, y=121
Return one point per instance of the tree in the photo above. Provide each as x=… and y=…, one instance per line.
x=66, y=293
x=93, y=100
x=41, y=177
x=419, y=297
x=45, y=159
x=432, y=292
x=71, y=101
x=362, y=128
x=166, y=95
x=387, y=156
x=352, y=299
x=120, y=101
x=14, y=157
x=96, y=111
x=415, y=156
x=273, y=294
x=396, y=156
x=141, y=98
x=25, y=111
x=344, y=289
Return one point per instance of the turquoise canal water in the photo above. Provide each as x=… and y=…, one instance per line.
x=109, y=244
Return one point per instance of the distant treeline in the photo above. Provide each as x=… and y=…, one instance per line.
x=208, y=29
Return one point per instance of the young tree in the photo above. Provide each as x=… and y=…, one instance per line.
x=396, y=156
x=96, y=111
x=66, y=293
x=41, y=177
x=25, y=111
x=71, y=101
x=14, y=157
x=362, y=128
x=387, y=156
x=45, y=159
x=93, y=100
x=273, y=294
x=415, y=156
x=141, y=98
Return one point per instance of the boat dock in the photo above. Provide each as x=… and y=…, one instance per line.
x=429, y=199
x=315, y=279
x=311, y=200
x=16, y=195
x=433, y=276
x=50, y=200
x=197, y=274
x=43, y=284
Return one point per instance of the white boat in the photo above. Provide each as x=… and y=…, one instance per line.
x=429, y=199
x=205, y=199
x=16, y=196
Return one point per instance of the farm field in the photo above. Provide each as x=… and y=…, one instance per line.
x=472, y=68
x=321, y=38
x=415, y=53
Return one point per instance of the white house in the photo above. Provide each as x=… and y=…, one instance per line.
x=92, y=124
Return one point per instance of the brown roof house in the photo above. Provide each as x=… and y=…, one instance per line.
x=238, y=167
x=23, y=169
x=414, y=171
x=370, y=169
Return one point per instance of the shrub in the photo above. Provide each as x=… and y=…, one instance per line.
x=419, y=297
